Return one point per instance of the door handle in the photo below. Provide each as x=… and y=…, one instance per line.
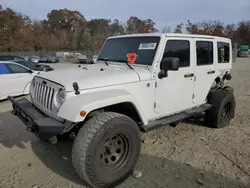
x=211, y=72
x=189, y=75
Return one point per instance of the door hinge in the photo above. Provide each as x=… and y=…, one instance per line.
x=155, y=105
x=194, y=78
x=193, y=96
x=155, y=84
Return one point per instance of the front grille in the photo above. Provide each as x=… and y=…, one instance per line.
x=43, y=96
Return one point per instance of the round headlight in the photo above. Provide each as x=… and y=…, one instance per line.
x=61, y=95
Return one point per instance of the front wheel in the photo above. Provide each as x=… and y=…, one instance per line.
x=106, y=149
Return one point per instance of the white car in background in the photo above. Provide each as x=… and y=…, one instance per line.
x=94, y=58
x=15, y=79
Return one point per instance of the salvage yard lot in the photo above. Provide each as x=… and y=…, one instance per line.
x=189, y=155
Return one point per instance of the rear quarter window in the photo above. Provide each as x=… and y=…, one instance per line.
x=223, y=52
x=4, y=69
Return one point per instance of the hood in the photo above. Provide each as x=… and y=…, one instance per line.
x=96, y=75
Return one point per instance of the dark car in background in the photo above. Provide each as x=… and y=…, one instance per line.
x=34, y=66
x=53, y=59
x=34, y=58
x=48, y=59
x=44, y=59
x=11, y=58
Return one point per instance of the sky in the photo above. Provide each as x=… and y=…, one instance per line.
x=162, y=12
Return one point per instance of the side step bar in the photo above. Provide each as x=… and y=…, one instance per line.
x=174, y=118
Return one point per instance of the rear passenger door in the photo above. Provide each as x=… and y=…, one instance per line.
x=204, y=69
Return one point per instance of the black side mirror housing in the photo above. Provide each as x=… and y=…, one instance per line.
x=168, y=64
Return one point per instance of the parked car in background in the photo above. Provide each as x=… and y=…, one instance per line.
x=25, y=57
x=10, y=57
x=44, y=59
x=15, y=79
x=53, y=59
x=82, y=59
x=94, y=58
x=35, y=66
x=34, y=58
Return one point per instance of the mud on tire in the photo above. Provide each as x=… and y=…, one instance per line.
x=106, y=149
x=222, y=110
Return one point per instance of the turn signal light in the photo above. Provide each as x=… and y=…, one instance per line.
x=83, y=113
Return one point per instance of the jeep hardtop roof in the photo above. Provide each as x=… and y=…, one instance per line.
x=173, y=35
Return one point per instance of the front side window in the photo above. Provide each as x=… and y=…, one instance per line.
x=15, y=69
x=204, y=52
x=180, y=49
x=4, y=69
x=117, y=49
x=223, y=52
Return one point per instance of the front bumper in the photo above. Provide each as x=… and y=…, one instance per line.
x=36, y=121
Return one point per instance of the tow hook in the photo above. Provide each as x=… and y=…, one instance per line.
x=53, y=140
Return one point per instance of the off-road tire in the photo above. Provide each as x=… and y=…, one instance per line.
x=87, y=152
x=220, y=99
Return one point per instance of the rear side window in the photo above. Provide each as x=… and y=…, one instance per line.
x=15, y=69
x=223, y=52
x=4, y=69
x=205, y=53
x=22, y=63
x=180, y=49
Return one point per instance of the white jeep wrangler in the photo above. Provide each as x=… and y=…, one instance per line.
x=139, y=82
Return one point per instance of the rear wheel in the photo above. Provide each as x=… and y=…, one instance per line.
x=106, y=149
x=222, y=110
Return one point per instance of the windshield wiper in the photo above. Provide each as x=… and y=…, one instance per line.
x=105, y=60
x=123, y=61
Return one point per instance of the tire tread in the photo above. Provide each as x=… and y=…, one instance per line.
x=84, y=140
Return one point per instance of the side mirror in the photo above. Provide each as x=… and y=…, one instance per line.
x=30, y=71
x=168, y=64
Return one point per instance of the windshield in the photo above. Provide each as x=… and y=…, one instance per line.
x=117, y=49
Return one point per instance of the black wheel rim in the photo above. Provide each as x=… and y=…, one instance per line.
x=225, y=112
x=114, y=152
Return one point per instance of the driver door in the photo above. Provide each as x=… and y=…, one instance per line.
x=174, y=93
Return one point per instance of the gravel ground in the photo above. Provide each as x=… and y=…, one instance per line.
x=190, y=155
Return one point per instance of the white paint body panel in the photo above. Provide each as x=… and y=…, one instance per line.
x=15, y=84
x=94, y=100
x=174, y=92
x=97, y=75
x=101, y=85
